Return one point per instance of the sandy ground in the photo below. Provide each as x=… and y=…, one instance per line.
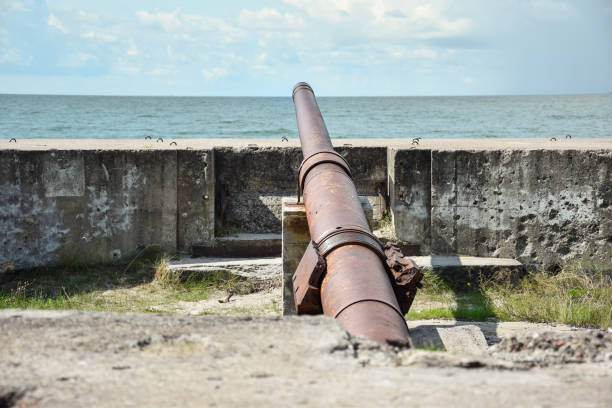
x=263, y=303
x=439, y=144
x=77, y=359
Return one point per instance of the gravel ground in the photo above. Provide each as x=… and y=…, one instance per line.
x=74, y=359
x=553, y=348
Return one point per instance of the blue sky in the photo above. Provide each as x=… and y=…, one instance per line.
x=342, y=47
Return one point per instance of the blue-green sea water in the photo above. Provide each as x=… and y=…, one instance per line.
x=537, y=116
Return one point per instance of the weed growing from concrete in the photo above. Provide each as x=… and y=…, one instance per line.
x=579, y=294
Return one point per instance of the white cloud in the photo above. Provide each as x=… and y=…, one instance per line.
x=89, y=18
x=551, y=9
x=99, y=36
x=169, y=21
x=175, y=56
x=133, y=50
x=330, y=10
x=270, y=20
x=124, y=67
x=159, y=71
x=176, y=21
x=78, y=59
x=214, y=73
x=425, y=52
x=317, y=68
x=11, y=56
x=54, y=22
x=385, y=19
x=467, y=80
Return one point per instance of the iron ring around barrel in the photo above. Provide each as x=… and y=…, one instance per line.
x=318, y=158
x=341, y=236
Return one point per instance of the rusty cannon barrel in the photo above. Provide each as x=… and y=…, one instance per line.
x=345, y=272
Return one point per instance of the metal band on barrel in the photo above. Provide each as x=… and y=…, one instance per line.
x=314, y=160
x=341, y=236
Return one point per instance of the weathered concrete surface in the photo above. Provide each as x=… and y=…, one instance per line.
x=195, y=198
x=537, y=201
x=409, y=189
x=251, y=182
x=404, y=143
x=296, y=237
x=464, y=339
x=459, y=271
x=90, y=359
x=536, y=206
x=250, y=268
x=240, y=245
x=249, y=190
x=86, y=205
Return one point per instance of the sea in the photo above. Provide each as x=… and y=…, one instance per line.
x=532, y=116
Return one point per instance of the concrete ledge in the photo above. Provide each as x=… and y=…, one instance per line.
x=254, y=144
x=460, y=272
x=241, y=245
x=250, y=268
x=446, y=261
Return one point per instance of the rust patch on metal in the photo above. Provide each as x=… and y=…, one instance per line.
x=405, y=276
x=307, y=282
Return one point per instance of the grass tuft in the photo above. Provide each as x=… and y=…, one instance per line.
x=576, y=293
x=579, y=294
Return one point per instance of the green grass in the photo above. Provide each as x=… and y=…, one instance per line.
x=578, y=294
x=140, y=284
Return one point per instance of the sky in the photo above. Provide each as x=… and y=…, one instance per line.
x=341, y=47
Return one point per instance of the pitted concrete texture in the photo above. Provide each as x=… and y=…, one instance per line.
x=539, y=206
x=538, y=201
x=85, y=205
x=66, y=359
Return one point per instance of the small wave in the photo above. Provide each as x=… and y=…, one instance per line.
x=59, y=128
x=189, y=132
x=280, y=131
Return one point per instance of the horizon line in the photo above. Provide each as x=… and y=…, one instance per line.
x=289, y=96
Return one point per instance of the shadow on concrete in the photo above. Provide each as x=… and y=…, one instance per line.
x=473, y=305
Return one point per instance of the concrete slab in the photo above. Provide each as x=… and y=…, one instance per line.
x=250, y=268
x=458, y=261
x=76, y=359
x=240, y=245
x=467, y=339
x=406, y=143
x=458, y=270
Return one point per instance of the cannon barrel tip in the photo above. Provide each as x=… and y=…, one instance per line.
x=301, y=85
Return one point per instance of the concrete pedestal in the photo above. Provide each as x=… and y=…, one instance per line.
x=295, y=240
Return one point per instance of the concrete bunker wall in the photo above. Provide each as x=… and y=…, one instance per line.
x=539, y=206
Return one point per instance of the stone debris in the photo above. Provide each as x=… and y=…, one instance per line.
x=552, y=348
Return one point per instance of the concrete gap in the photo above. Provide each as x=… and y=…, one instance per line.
x=456, y=200
x=10, y=397
x=431, y=174
x=178, y=215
